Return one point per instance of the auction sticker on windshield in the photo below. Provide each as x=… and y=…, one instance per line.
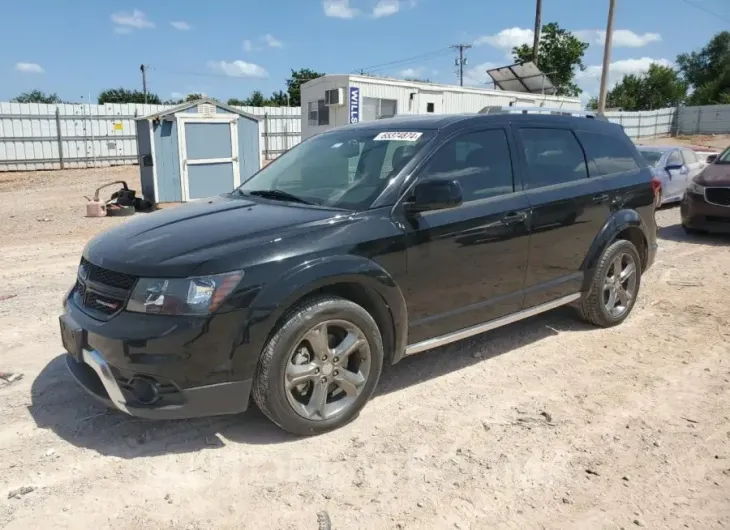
x=404, y=136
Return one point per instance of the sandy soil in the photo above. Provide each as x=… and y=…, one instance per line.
x=548, y=423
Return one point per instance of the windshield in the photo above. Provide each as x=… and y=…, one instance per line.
x=651, y=156
x=724, y=157
x=345, y=169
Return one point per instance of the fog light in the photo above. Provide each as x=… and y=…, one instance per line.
x=144, y=390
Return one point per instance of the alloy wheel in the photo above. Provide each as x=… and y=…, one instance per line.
x=327, y=370
x=619, y=286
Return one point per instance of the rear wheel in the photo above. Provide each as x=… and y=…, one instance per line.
x=320, y=367
x=615, y=285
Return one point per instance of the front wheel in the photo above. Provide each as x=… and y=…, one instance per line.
x=320, y=367
x=615, y=285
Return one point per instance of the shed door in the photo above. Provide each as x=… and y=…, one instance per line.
x=430, y=102
x=209, y=156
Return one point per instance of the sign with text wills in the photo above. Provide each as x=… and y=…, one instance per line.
x=354, y=104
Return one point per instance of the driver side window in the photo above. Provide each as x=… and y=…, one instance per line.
x=480, y=161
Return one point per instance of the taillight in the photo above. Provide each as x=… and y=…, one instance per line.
x=656, y=185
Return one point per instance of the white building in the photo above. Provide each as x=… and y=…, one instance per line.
x=335, y=100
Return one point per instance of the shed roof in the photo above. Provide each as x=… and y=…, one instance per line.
x=196, y=102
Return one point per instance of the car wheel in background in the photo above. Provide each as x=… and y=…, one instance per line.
x=615, y=285
x=320, y=367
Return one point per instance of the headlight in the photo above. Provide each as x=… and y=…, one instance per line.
x=693, y=187
x=182, y=296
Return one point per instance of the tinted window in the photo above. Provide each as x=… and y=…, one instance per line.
x=674, y=159
x=606, y=154
x=480, y=161
x=652, y=157
x=689, y=156
x=553, y=156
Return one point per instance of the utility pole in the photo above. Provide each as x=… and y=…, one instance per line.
x=461, y=61
x=606, y=57
x=538, y=28
x=143, y=69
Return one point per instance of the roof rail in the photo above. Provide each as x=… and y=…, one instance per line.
x=542, y=110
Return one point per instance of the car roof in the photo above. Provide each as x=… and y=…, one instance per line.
x=442, y=121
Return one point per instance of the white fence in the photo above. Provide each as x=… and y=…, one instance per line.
x=36, y=136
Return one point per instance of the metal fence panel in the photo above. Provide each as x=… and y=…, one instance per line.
x=36, y=136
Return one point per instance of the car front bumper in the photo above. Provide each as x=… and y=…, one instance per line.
x=698, y=214
x=157, y=368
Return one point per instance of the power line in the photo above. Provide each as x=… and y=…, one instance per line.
x=708, y=11
x=402, y=62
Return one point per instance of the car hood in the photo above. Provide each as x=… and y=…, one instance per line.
x=714, y=175
x=175, y=242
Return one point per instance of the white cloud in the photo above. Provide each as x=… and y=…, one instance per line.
x=181, y=25
x=128, y=22
x=272, y=42
x=386, y=8
x=478, y=75
x=411, y=72
x=507, y=38
x=622, y=38
x=589, y=79
x=339, y=9
x=238, y=68
x=29, y=68
x=247, y=46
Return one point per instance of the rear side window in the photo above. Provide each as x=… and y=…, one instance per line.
x=674, y=159
x=553, y=156
x=606, y=154
x=689, y=156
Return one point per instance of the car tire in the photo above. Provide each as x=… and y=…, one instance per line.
x=595, y=305
x=289, y=348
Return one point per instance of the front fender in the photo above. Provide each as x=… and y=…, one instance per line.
x=275, y=298
x=617, y=223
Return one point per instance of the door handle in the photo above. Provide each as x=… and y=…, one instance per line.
x=602, y=197
x=514, y=218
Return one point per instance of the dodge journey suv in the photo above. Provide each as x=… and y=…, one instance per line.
x=356, y=248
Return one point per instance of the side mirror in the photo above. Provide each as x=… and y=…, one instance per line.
x=711, y=159
x=434, y=195
x=672, y=167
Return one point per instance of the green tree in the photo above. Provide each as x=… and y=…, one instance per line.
x=658, y=88
x=36, y=96
x=294, y=83
x=235, y=102
x=256, y=99
x=122, y=95
x=194, y=96
x=708, y=71
x=559, y=55
x=279, y=99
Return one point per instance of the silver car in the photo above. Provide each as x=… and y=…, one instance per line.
x=674, y=167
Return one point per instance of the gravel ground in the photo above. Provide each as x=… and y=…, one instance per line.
x=547, y=423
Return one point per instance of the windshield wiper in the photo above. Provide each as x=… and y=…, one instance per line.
x=276, y=195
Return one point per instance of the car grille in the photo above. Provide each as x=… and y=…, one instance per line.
x=95, y=273
x=719, y=196
x=100, y=292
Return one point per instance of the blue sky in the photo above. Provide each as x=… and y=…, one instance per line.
x=228, y=49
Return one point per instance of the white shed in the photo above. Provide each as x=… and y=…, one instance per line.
x=334, y=100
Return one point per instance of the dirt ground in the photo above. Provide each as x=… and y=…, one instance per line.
x=547, y=423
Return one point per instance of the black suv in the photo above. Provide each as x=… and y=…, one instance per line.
x=354, y=249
